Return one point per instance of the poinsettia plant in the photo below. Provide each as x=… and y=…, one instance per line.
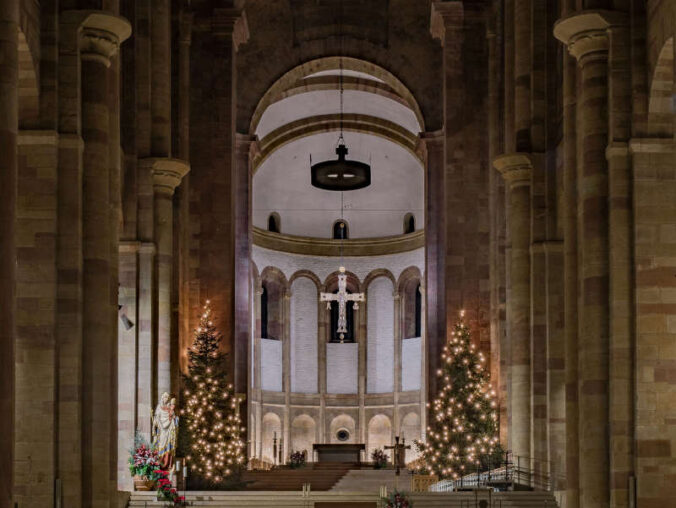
x=397, y=500
x=379, y=458
x=297, y=459
x=165, y=490
x=143, y=460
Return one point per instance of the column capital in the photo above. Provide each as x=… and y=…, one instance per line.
x=167, y=173
x=446, y=16
x=515, y=168
x=246, y=144
x=230, y=23
x=100, y=33
x=586, y=33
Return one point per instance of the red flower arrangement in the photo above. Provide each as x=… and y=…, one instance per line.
x=397, y=500
x=165, y=491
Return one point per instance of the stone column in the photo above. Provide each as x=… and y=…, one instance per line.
x=435, y=241
x=586, y=35
x=396, y=424
x=100, y=37
x=241, y=193
x=183, y=192
x=167, y=175
x=516, y=169
x=570, y=276
x=9, y=124
x=160, y=76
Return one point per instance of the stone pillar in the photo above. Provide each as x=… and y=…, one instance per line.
x=9, y=124
x=516, y=169
x=183, y=192
x=435, y=240
x=396, y=424
x=167, y=175
x=144, y=361
x=586, y=35
x=522, y=74
x=241, y=193
x=570, y=275
x=160, y=76
x=100, y=37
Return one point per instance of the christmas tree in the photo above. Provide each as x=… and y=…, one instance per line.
x=463, y=432
x=215, y=450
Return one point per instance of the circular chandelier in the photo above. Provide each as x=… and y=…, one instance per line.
x=340, y=174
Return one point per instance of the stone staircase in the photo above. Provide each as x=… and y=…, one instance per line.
x=337, y=499
x=370, y=480
x=320, y=476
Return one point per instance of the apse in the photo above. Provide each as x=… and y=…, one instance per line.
x=323, y=244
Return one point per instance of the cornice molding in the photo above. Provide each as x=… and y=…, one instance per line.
x=329, y=247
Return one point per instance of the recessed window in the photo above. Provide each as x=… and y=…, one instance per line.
x=409, y=223
x=340, y=230
x=264, y=313
x=273, y=223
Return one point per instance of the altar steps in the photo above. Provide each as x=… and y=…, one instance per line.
x=331, y=499
x=320, y=476
x=370, y=480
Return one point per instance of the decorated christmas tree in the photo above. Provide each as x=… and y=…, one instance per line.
x=214, y=448
x=462, y=435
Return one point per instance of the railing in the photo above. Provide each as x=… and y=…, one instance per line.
x=513, y=473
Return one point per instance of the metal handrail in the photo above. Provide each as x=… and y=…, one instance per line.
x=512, y=472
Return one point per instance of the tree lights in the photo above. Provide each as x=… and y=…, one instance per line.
x=215, y=449
x=463, y=431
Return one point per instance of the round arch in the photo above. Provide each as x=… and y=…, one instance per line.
x=290, y=78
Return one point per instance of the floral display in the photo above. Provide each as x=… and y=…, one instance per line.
x=165, y=490
x=143, y=460
x=379, y=458
x=297, y=459
x=397, y=500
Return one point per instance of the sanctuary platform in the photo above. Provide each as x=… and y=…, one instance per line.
x=264, y=499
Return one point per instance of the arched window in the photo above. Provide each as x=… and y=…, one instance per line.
x=349, y=311
x=264, y=313
x=409, y=223
x=273, y=222
x=418, y=311
x=340, y=230
x=411, y=299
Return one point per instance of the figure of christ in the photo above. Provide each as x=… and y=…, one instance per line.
x=342, y=297
x=165, y=431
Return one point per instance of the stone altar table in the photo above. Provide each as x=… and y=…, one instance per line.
x=339, y=452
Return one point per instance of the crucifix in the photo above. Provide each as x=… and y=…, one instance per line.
x=398, y=451
x=342, y=297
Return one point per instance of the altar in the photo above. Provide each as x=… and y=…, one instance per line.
x=339, y=452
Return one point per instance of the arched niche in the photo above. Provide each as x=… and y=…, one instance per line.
x=271, y=427
x=342, y=422
x=410, y=431
x=303, y=434
x=379, y=434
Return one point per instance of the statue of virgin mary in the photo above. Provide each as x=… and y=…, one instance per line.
x=165, y=431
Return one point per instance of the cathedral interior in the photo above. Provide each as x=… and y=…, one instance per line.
x=518, y=163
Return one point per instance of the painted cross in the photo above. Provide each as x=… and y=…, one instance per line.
x=399, y=453
x=342, y=297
